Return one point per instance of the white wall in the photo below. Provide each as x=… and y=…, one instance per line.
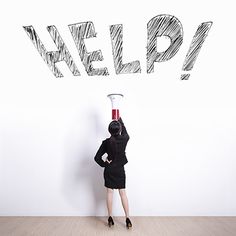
x=182, y=147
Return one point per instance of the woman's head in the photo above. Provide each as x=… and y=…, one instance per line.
x=114, y=127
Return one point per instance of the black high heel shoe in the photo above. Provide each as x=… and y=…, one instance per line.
x=110, y=221
x=128, y=223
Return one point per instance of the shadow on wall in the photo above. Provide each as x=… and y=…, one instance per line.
x=83, y=183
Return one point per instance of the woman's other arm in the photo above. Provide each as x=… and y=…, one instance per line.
x=98, y=157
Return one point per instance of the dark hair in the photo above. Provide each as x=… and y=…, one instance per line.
x=114, y=127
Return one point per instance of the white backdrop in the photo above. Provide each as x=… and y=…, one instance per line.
x=182, y=133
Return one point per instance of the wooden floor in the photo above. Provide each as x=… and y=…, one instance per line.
x=142, y=226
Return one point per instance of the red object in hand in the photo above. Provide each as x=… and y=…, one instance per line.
x=115, y=114
x=115, y=99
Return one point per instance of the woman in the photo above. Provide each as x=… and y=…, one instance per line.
x=114, y=172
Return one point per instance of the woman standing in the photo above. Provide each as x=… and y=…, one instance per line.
x=114, y=172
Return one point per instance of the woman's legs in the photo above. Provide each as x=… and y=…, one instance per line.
x=109, y=201
x=124, y=201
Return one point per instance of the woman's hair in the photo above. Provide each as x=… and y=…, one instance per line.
x=114, y=127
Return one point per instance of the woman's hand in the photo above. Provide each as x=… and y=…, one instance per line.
x=108, y=161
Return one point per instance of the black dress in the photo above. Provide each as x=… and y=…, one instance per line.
x=114, y=173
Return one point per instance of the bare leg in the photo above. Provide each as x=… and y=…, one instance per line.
x=109, y=201
x=124, y=201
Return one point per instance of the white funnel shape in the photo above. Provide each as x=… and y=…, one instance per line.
x=115, y=102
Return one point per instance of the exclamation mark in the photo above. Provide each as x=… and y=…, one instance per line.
x=195, y=47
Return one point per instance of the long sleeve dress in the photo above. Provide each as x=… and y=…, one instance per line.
x=114, y=172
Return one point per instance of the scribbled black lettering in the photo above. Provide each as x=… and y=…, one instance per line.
x=81, y=31
x=163, y=25
x=195, y=47
x=116, y=32
x=52, y=57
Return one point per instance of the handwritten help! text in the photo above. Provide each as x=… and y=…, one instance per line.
x=161, y=25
